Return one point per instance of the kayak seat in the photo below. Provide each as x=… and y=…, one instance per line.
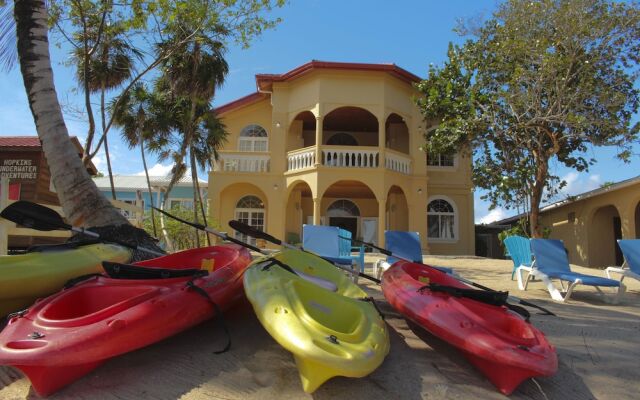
x=334, y=314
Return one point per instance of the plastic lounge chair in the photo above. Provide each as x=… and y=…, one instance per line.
x=520, y=251
x=551, y=262
x=325, y=242
x=405, y=244
x=346, y=248
x=631, y=267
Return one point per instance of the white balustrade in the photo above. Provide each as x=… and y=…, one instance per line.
x=301, y=159
x=397, y=162
x=355, y=157
x=243, y=162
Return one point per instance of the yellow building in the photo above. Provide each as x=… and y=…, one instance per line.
x=339, y=144
x=590, y=223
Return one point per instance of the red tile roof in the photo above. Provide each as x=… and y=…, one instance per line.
x=19, y=141
x=264, y=82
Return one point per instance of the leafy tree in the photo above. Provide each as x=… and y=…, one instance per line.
x=180, y=235
x=540, y=81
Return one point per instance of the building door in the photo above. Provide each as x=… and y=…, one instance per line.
x=348, y=223
x=250, y=211
x=617, y=234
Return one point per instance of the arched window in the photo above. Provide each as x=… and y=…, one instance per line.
x=441, y=220
x=342, y=139
x=250, y=210
x=253, y=138
x=343, y=208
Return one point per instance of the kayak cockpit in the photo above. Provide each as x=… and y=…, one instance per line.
x=90, y=304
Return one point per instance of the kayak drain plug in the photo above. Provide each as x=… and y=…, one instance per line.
x=333, y=339
x=35, y=335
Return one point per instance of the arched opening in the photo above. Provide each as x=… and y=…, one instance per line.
x=442, y=219
x=357, y=122
x=299, y=211
x=253, y=138
x=397, y=218
x=251, y=211
x=604, y=229
x=302, y=131
x=396, y=134
x=351, y=205
x=342, y=139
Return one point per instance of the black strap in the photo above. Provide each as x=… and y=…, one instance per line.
x=129, y=271
x=72, y=282
x=273, y=261
x=373, y=301
x=494, y=298
x=218, y=315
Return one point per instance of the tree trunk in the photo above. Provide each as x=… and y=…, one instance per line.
x=82, y=202
x=146, y=173
x=194, y=182
x=536, y=198
x=106, y=145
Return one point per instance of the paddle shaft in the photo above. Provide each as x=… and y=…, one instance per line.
x=39, y=217
x=461, y=279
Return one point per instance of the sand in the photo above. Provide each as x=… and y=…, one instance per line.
x=598, y=348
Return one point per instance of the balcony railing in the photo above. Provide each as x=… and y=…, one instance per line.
x=301, y=158
x=398, y=162
x=238, y=161
x=350, y=156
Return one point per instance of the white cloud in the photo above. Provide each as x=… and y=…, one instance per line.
x=494, y=215
x=578, y=184
x=158, y=170
x=162, y=170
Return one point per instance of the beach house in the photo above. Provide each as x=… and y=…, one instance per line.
x=340, y=144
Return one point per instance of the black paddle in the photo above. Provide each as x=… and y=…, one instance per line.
x=251, y=231
x=41, y=218
x=318, y=281
x=461, y=279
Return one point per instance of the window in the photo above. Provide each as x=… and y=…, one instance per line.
x=127, y=213
x=250, y=211
x=253, y=138
x=187, y=204
x=440, y=160
x=441, y=220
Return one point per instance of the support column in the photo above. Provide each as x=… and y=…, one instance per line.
x=381, y=142
x=382, y=218
x=316, y=211
x=318, y=141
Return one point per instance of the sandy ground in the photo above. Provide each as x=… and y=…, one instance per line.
x=598, y=348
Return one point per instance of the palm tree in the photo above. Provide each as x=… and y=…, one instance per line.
x=82, y=202
x=192, y=76
x=107, y=67
x=140, y=115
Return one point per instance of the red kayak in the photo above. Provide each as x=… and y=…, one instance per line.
x=499, y=342
x=65, y=336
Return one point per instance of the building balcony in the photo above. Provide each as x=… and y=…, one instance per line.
x=348, y=157
x=241, y=161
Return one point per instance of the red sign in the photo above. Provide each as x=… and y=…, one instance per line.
x=14, y=191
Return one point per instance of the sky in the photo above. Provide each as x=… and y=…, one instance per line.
x=409, y=33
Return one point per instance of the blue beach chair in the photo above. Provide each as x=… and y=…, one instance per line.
x=551, y=262
x=519, y=250
x=631, y=267
x=405, y=244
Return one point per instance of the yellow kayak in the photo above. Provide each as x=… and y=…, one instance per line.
x=39, y=273
x=331, y=332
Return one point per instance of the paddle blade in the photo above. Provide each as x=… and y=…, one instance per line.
x=34, y=216
x=253, y=232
